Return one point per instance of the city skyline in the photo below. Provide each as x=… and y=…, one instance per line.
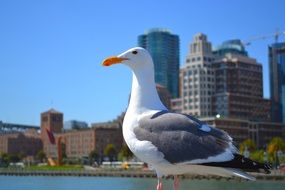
x=51, y=52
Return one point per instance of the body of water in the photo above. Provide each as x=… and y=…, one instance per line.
x=117, y=183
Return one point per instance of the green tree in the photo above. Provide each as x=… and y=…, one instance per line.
x=125, y=153
x=249, y=144
x=14, y=158
x=63, y=148
x=41, y=156
x=110, y=151
x=257, y=155
x=93, y=156
x=5, y=159
x=8, y=158
x=274, y=146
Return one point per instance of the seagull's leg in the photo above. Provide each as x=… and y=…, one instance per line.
x=176, y=183
x=159, y=184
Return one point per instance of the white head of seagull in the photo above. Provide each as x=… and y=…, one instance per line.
x=144, y=96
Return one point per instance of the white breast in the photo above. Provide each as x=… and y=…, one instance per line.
x=144, y=150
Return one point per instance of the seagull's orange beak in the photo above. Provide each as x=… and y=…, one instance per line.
x=113, y=60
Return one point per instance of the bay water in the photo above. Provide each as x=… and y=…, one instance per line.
x=119, y=183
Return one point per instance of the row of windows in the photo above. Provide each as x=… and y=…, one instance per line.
x=203, y=113
x=192, y=113
x=196, y=107
x=191, y=107
x=202, y=79
x=200, y=65
x=239, y=65
x=238, y=73
x=194, y=59
x=196, y=71
x=190, y=93
x=202, y=100
x=209, y=86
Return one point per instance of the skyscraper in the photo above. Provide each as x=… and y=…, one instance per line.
x=164, y=49
x=238, y=84
x=277, y=81
x=198, y=78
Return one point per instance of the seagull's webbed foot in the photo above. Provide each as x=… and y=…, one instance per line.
x=176, y=183
x=159, y=184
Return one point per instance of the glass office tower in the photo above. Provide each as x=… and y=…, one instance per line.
x=164, y=49
x=277, y=81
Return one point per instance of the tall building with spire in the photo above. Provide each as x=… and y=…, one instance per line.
x=277, y=81
x=164, y=49
x=197, y=80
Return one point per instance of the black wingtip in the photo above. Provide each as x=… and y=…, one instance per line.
x=243, y=163
x=267, y=167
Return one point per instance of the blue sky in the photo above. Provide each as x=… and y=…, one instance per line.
x=51, y=50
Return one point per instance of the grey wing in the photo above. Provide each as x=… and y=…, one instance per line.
x=181, y=138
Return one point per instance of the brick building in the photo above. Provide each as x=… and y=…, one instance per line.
x=240, y=129
x=79, y=143
x=26, y=143
x=239, y=89
x=51, y=121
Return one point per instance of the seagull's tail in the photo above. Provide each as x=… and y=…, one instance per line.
x=242, y=163
x=240, y=173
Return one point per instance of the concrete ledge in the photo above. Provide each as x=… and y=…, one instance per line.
x=275, y=175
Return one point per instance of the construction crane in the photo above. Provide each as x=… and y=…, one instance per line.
x=276, y=36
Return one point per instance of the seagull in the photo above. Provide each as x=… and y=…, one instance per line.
x=173, y=143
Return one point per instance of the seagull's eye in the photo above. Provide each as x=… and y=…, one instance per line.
x=134, y=52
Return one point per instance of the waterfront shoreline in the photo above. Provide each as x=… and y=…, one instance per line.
x=275, y=175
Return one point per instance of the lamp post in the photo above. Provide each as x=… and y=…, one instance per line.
x=246, y=153
x=278, y=158
x=265, y=157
